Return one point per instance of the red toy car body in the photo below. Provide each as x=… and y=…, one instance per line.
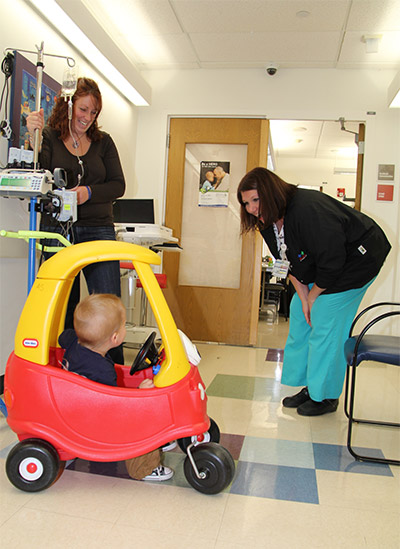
x=58, y=415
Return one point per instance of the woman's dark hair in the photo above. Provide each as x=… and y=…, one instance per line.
x=59, y=116
x=273, y=193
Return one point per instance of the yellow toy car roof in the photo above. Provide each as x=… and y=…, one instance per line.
x=42, y=318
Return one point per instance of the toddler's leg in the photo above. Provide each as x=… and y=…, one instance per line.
x=141, y=466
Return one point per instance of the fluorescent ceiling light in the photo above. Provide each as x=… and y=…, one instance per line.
x=344, y=171
x=394, y=93
x=395, y=103
x=57, y=17
x=132, y=29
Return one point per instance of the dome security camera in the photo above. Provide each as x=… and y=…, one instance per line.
x=272, y=70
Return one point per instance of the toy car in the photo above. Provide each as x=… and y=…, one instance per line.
x=58, y=415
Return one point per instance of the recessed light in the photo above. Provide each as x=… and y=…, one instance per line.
x=300, y=129
x=302, y=14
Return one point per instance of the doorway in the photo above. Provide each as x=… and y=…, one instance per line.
x=320, y=154
x=213, y=284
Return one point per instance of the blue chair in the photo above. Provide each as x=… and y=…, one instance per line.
x=379, y=348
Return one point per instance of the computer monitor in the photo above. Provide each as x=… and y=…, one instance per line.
x=136, y=210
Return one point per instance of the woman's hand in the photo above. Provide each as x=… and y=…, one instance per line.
x=82, y=195
x=306, y=311
x=313, y=294
x=303, y=292
x=35, y=121
x=307, y=297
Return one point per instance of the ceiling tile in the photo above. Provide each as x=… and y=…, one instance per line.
x=374, y=15
x=171, y=49
x=354, y=51
x=241, y=16
x=266, y=47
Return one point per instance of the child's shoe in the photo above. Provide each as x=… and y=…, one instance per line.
x=160, y=473
x=169, y=446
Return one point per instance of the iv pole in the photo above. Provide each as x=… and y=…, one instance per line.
x=32, y=211
x=33, y=200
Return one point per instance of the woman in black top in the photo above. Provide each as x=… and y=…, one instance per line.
x=334, y=253
x=73, y=141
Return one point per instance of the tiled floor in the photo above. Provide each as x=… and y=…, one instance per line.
x=295, y=484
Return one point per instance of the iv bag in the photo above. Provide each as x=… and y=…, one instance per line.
x=69, y=83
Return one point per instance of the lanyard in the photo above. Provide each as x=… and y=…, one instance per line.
x=280, y=242
x=281, y=266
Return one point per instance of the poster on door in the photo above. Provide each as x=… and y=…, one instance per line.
x=214, y=183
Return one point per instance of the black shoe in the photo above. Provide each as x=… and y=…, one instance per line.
x=297, y=399
x=313, y=408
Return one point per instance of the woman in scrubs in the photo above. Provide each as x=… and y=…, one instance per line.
x=332, y=254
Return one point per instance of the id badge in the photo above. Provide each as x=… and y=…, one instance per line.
x=280, y=268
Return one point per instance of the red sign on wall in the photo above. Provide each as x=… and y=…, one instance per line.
x=340, y=192
x=385, y=192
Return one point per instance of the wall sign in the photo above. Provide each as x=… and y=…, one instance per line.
x=340, y=192
x=385, y=193
x=386, y=172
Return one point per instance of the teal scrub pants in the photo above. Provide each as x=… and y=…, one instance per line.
x=314, y=355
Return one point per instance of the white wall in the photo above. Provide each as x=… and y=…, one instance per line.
x=303, y=94
x=317, y=172
x=22, y=28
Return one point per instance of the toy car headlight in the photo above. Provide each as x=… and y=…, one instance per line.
x=192, y=353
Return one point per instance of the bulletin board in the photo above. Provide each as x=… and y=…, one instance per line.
x=211, y=235
x=23, y=94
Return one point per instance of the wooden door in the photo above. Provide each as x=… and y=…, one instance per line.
x=209, y=313
x=360, y=166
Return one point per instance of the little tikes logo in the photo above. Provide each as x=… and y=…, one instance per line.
x=30, y=343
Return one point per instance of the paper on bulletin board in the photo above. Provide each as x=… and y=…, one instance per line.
x=214, y=183
x=210, y=238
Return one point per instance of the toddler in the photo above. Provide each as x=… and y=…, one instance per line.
x=99, y=325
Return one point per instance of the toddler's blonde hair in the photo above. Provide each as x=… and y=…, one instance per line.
x=97, y=317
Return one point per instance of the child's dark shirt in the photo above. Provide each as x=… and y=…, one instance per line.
x=85, y=362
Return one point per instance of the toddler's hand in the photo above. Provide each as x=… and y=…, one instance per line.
x=146, y=384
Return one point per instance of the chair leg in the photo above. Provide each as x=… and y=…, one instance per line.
x=349, y=400
x=284, y=301
x=351, y=374
x=346, y=392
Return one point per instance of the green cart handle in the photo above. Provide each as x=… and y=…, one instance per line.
x=38, y=235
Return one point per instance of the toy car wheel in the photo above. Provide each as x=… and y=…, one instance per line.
x=33, y=465
x=60, y=470
x=215, y=466
x=149, y=351
x=212, y=435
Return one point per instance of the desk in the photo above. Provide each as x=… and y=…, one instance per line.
x=272, y=293
x=266, y=274
x=154, y=237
